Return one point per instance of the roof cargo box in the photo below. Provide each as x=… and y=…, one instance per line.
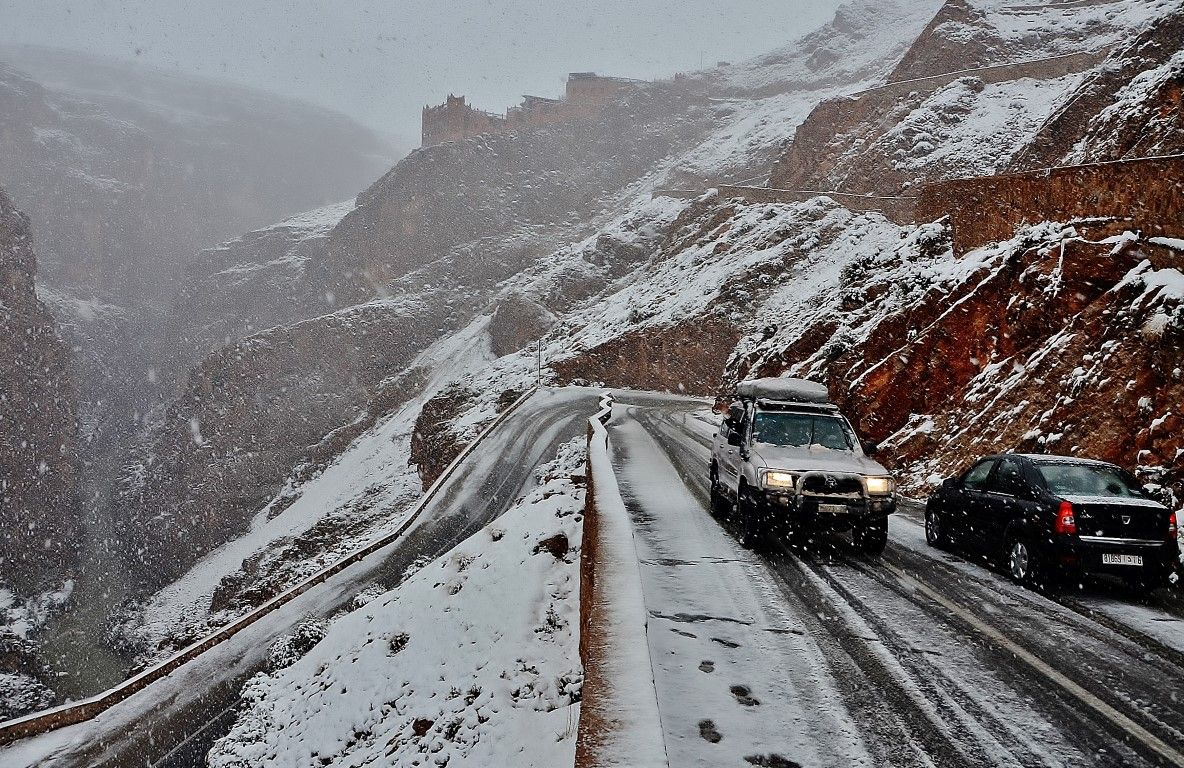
x=784, y=390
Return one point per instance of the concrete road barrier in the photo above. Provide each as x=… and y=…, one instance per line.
x=619, y=720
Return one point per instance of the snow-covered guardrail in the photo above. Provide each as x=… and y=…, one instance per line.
x=619, y=720
x=77, y=712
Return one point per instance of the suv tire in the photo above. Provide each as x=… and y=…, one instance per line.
x=871, y=535
x=719, y=500
x=750, y=536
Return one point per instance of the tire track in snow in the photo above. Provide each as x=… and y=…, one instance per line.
x=1000, y=735
x=895, y=729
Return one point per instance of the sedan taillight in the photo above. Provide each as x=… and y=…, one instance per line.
x=1066, y=523
x=1172, y=526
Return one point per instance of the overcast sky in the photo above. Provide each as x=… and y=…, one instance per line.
x=381, y=61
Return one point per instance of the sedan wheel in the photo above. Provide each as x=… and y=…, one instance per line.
x=1020, y=561
x=935, y=534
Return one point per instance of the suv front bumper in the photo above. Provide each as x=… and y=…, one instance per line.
x=786, y=509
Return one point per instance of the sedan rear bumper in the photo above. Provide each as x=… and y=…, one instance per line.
x=1145, y=560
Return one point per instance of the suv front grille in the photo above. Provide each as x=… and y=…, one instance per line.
x=829, y=484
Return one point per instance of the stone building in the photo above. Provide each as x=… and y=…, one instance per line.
x=586, y=95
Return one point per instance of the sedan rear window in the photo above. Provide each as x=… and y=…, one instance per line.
x=1088, y=480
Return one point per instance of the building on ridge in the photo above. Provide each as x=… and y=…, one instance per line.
x=586, y=95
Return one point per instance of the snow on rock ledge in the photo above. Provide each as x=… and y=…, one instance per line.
x=471, y=661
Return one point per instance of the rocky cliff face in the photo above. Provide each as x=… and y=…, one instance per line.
x=1129, y=108
x=936, y=120
x=39, y=511
x=1054, y=343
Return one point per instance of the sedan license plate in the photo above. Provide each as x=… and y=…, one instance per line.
x=832, y=509
x=1111, y=559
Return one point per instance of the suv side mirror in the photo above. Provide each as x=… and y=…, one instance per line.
x=733, y=437
x=735, y=414
x=870, y=448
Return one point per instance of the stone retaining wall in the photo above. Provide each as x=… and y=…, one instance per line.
x=1146, y=194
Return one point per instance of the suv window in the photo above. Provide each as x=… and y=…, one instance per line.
x=801, y=430
x=976, y=478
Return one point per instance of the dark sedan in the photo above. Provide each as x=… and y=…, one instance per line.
x=1054, y=518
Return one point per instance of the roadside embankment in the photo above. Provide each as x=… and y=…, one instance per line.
x=619, y=720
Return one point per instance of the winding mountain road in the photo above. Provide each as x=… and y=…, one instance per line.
x=173, y=722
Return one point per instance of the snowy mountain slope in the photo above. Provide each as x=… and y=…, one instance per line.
x=441, y=258
x=325, y=509
x=761, y=102
x=472, y=661
x=1129, y=107
x=734, y=290
x=250, y=284
x=851, y=48
x=890, y=140
x=976, y=33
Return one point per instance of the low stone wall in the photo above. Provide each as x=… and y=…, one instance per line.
x=897, y=209
x=1147, y=194
x=619, y=720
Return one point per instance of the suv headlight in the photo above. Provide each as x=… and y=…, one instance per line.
x=879, y=486
x=774, y=479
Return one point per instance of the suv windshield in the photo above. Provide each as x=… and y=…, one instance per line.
x=801, y=430
x=1088, y=480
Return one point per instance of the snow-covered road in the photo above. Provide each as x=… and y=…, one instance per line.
x=916, y=658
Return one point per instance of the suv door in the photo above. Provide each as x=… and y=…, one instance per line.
x=729, y=459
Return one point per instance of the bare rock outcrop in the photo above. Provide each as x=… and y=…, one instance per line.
x=39, y=511
x=480, y=210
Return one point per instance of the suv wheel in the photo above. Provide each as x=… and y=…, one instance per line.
x=935, y=530
x=746, y=506
x=871, y=535
x=719, y=502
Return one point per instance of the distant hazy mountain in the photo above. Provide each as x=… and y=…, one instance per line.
x=127, y=171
